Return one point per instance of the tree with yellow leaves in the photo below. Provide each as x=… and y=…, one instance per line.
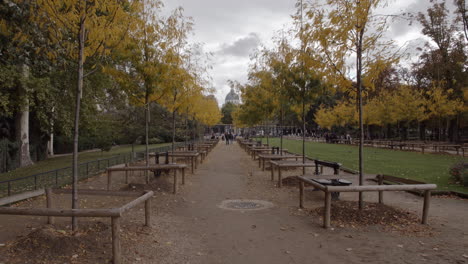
x=84, y=31
x=441, y=107
x=341, y=29
x=139, y=68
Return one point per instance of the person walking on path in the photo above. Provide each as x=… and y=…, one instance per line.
x=226, y=136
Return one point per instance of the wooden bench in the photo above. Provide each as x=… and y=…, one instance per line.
x=364, y=188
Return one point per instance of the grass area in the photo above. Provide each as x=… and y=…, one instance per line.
x=430, y=168
x=66, y=161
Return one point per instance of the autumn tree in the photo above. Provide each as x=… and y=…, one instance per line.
x=83, y=31
x=348, y=28
x=444, y=58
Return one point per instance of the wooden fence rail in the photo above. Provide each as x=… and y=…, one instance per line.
x=363, y=188
x=114, y=213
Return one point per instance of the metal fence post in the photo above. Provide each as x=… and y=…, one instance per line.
x=9, y=188
x=56, y=178
x=35, y=182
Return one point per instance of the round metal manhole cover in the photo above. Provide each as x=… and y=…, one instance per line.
x=244, y=205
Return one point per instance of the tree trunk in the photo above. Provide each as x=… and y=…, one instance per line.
x=50, y=142
x=79, y=93
x=50, y=145
x=361, y=124
x=173, y=130
x=281, y=131
x=22, y=122
x=453, y=129
x=147, y=120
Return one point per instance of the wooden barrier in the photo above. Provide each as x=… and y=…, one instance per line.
x=21, y=196
x=171, y=166
x=364, y=188
x=114, y=213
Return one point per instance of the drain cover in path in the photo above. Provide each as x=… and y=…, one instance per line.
x=243, y=205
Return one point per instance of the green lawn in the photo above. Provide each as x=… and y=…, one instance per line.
x=430, y=168
x=66, y=161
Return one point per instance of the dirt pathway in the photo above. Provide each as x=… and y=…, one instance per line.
x=283, y=234
x=190, y=227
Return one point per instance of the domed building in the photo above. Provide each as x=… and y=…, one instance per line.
x=232, y=97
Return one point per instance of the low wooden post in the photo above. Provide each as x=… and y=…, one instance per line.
x=381, y=179
x=109, y=179
x=272, y=172
x=174, y=188
x=193, y=165
x=183, y=176
x=427, y=202
x=126, y=173
x=301, y=194
x=50, y=204
x=280, y=184
x=116, y=240
x=321, y=169
x=148, y=212
x=327, y=210
x=422, y=148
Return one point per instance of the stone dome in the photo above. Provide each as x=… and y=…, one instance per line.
x=232, y=97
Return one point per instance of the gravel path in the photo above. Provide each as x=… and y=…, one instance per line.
x=192, y=227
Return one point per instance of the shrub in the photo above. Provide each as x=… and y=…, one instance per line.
x=155, y=141
x=459, y=173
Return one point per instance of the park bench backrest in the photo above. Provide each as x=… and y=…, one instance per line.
x=336, y=166
x=275, y=150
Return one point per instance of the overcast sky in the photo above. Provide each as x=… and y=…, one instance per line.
x=233, y=29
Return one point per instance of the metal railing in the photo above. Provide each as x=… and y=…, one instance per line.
x=63, y=176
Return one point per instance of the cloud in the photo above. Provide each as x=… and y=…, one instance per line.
x=241, y=47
